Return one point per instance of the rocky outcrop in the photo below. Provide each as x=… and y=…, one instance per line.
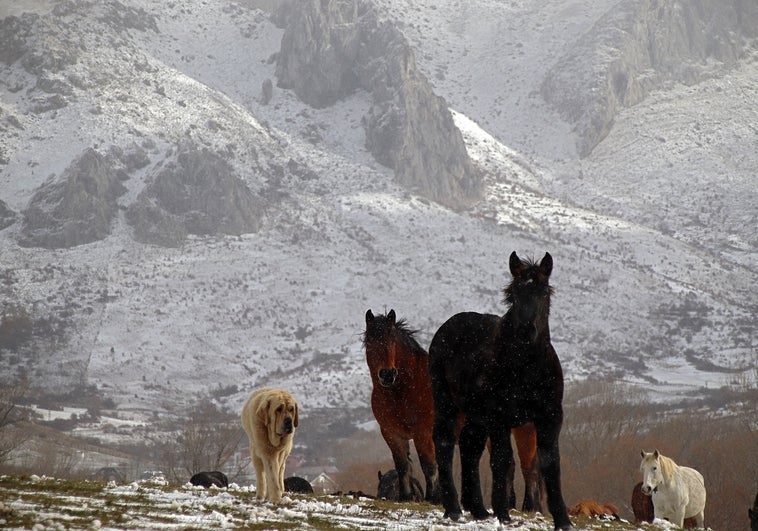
x=642, y=45
x=331, y=48
x=7, y=216
x=76, y=208
x=196, y=193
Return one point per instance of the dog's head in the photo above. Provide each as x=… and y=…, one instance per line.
x=278, y=412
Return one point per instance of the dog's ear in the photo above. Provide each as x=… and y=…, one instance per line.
x=262, y=411
x=296, y=420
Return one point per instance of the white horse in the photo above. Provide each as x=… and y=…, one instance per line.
x=678, y=491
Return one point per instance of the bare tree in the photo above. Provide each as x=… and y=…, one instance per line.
x=206, y=440
x=12, y=419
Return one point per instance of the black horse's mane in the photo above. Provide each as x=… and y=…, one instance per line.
x=405, y=333
x=527, y=263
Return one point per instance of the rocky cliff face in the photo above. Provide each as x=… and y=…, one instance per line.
x=76, y=208
x=196, y=193
x=332, y=48
x=643, y=45
x=7, y=216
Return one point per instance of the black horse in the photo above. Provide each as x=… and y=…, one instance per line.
x=210, y=479
x=297, y=484
x=501, y=372
x=389, y=487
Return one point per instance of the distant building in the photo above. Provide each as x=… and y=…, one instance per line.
x=320, y=477
x=323, y=484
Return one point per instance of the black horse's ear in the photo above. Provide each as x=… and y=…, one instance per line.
x=369, y=316
x=546, y=265
x=515, y=263
x=391, y=317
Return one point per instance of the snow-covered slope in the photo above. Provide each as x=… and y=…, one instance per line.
x=652, y=234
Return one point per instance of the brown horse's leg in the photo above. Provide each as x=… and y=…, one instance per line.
x=526, y=444
x=400, y=449
x=425, y=450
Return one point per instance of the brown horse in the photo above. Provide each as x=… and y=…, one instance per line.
x=404, y=408
x=593, y=509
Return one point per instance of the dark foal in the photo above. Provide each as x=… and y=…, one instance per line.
x=500, y=373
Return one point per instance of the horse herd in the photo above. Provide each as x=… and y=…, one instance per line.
x=485, y=378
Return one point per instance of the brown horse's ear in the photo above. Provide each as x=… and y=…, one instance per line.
x=369, y=316
x=514, y=262
x=391, y=317
x=546, y=265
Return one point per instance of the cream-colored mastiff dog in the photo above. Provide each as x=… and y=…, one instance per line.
x=269, y=419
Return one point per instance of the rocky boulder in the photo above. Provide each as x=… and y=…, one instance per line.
x=198, y=192
x=332, y=48
x=7, y=216
x=76, y=208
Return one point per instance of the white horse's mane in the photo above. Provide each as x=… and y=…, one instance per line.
x=667, y=467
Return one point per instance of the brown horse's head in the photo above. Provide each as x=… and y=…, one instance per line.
x=380, y=340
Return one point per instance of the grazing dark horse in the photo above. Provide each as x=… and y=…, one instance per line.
x=500, y=373
x=642, y=505
x=213, y=478
x=404, y=408
x=298, y=484
x=389, y=487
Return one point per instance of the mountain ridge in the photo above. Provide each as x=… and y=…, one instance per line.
x=153, y=327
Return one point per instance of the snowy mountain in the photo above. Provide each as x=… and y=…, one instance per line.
x=175, y=223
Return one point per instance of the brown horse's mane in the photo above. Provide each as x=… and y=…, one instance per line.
x=405, y=334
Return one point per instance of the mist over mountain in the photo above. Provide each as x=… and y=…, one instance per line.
x=201, y=199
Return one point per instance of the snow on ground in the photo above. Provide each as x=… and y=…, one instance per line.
x=41, y=503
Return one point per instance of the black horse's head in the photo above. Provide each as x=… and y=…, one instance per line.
x=529, y=292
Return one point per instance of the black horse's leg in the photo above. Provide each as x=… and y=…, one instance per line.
x=472, y=440
x=503, y=466
x=511, y=474
x=550, y=467
x=444, y=446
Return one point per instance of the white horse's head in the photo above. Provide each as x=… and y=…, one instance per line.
x=652, y=472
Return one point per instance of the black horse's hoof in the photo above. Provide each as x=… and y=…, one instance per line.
x=453, y=515
x=480, y=514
